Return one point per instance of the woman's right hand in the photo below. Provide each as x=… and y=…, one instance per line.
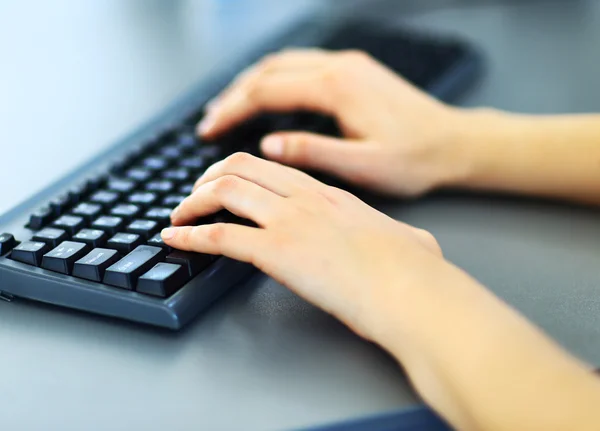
x=398, y=140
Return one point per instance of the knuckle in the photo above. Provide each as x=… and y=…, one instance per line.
x=429, y=239
x=215, y=233
x=237, y=159
x=225, y=184
x=337, y=196
x=341, y=193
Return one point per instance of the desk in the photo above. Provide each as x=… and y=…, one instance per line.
x=261, y=359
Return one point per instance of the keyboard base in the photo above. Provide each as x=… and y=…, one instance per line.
x=23, y=281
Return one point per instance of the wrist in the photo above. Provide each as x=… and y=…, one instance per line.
x=400, y=307
x=477, y=145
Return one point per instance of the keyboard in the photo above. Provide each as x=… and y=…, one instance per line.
x=91, y=242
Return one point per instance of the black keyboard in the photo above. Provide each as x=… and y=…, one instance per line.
x=92, y=241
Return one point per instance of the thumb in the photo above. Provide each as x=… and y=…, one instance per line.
x=342, y=157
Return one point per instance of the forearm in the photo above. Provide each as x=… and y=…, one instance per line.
x=547, y=156
x=480, y=364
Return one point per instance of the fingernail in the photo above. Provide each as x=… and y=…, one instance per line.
x=273, y=146
x=168, y=233
x=207, y=123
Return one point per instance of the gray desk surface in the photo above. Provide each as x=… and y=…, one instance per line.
x=76, y=74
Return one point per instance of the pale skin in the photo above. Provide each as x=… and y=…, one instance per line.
x=382, y=278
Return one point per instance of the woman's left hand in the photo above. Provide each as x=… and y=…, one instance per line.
x=321, y=242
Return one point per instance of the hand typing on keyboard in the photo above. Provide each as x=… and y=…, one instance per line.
x=303, y=220
x=385, y=280
x=399, y=140
x=472, y=358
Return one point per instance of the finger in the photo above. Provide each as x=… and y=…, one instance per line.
x=235, y=241
x=241, y=197
x=342, y=157
x=274, y=177
x=297, y=59
x=282, y=92
x=292, y=60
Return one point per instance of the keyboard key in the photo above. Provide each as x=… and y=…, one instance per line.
x=210, y=152
x=155, y=163
x=40, y=218
x=93, y=184
x=62, y=258
x=142, y=198
x=7, y=243
x=119, y=167
x=145, y=228
x=78, y=193
x=51, y=236
x=60, y=205
x=163, y=280
x=171, y=152
x=87, y=211
x=94, y=264
x=176, y=175
x=134, y=154
x=30, y=252
x=125, y=272
x=167, y=134
x=186, y=189
x=161, y=215
x=105, y=198
x=125, y=242
x=109, y=224
x=193, y=263
x=152, y=144
x=71, y=224
x=139, y=174
x=157, y=241
x=126, y=211
x=93, y=237
x=196, y=163
x=121, y=185
x=188, y=140
x=173, y=200
x=163, y=186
